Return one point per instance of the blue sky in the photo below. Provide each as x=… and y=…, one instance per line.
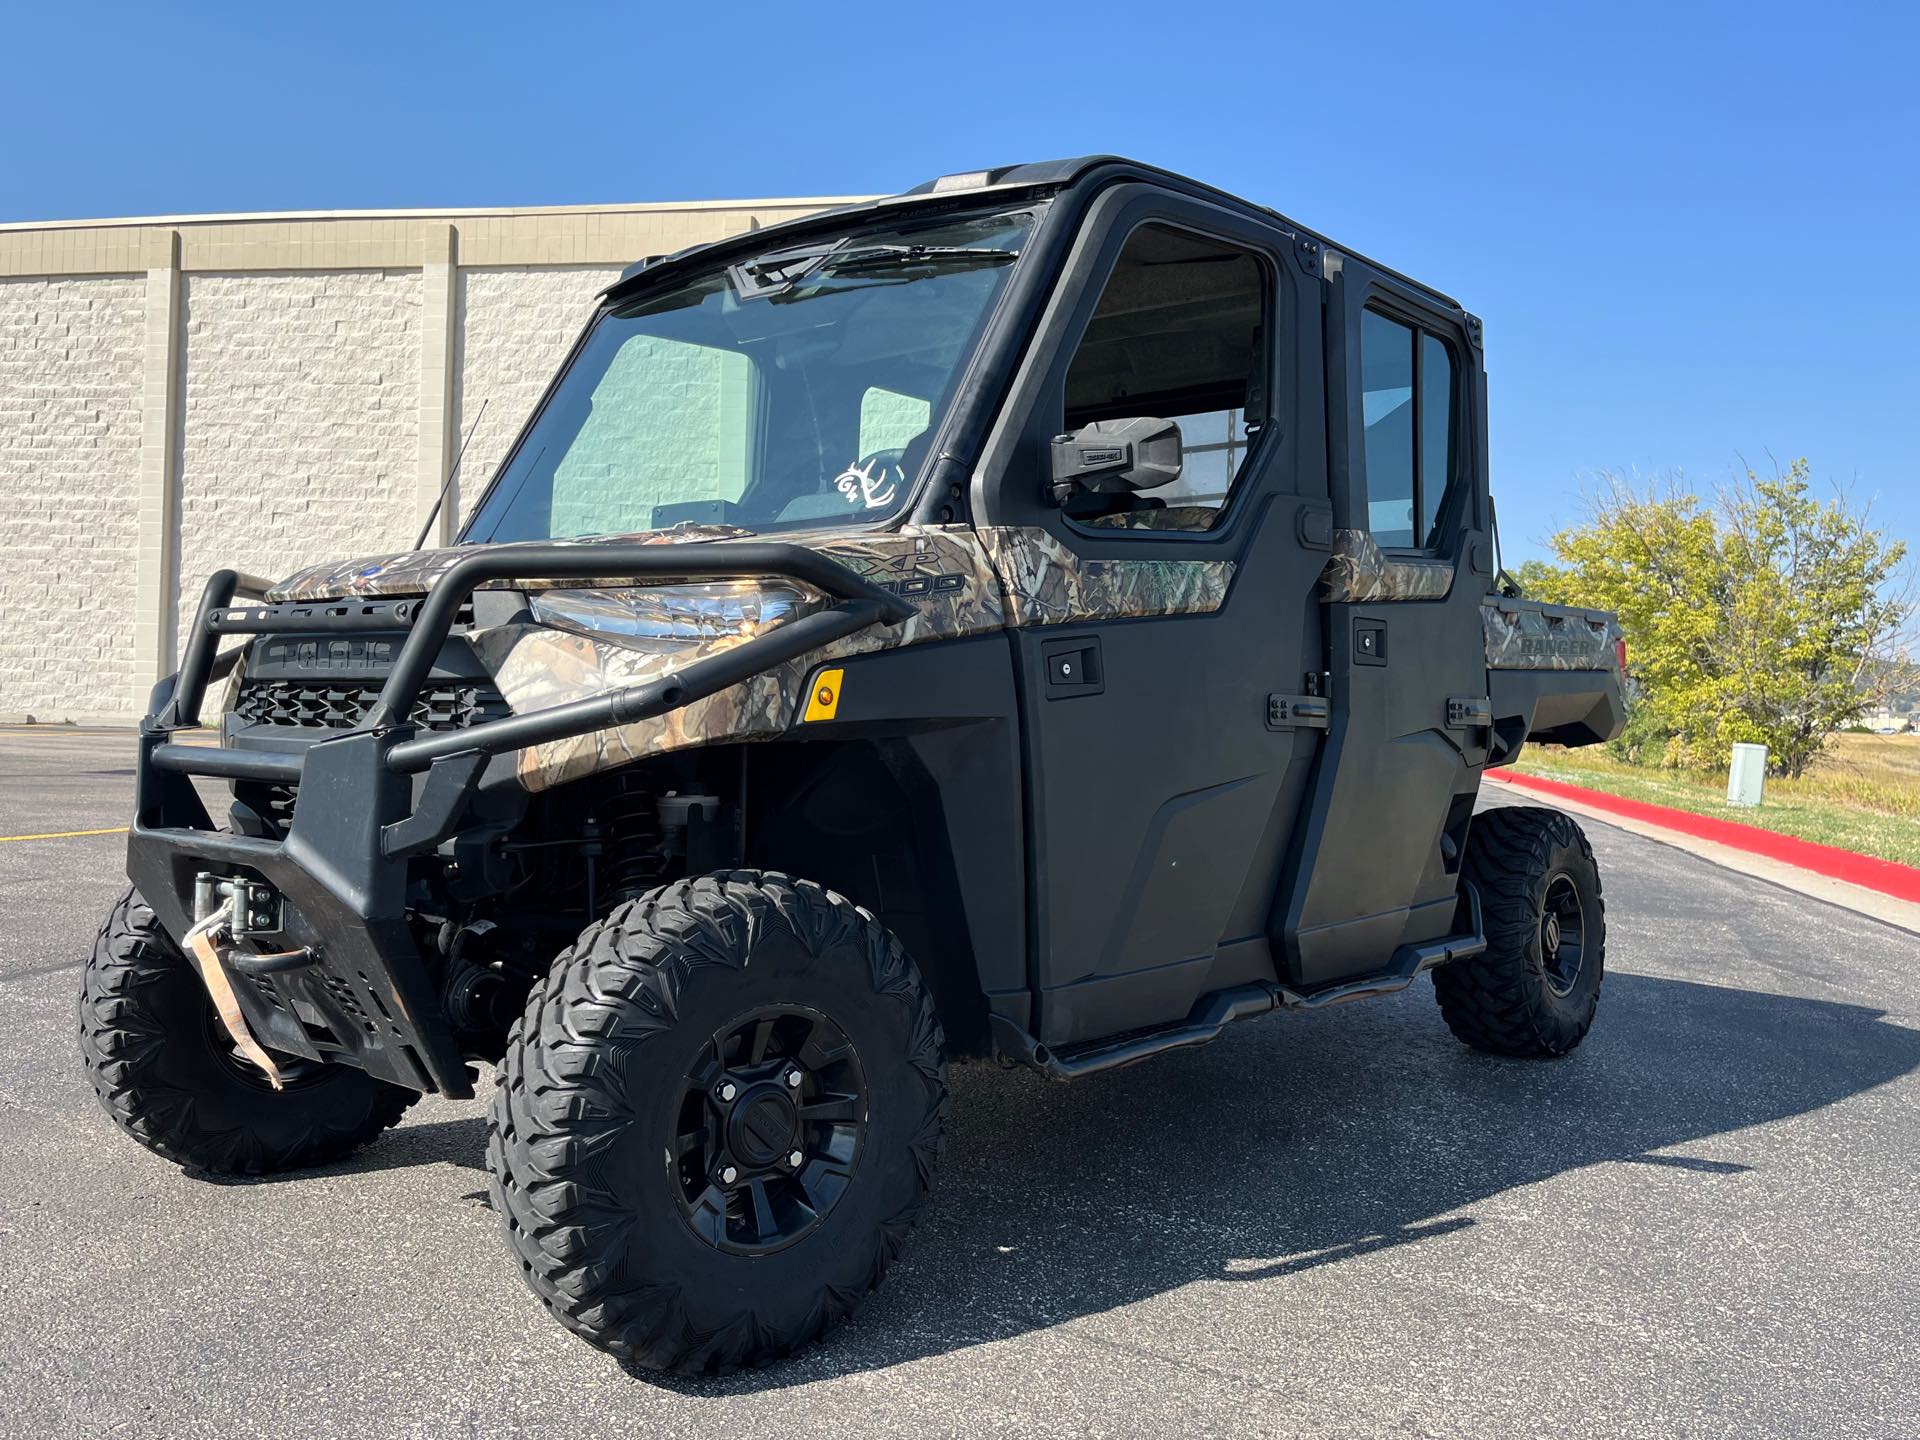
x=1691, y=229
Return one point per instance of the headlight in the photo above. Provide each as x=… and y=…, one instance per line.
x=711, y=610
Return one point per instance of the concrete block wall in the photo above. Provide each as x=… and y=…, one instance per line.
x=70, y=366
x=300, y=428
x=183, y=394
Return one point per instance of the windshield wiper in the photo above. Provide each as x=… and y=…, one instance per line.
x=917, y=259
x=777, y=275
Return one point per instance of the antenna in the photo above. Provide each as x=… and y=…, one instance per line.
x=441, y=499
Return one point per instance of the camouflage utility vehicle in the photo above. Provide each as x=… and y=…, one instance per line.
x=1047, y=615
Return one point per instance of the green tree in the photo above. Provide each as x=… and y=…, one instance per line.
x=1757, y=615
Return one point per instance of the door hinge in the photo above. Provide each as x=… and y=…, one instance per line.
x=1297, y=712
x=1465, y=712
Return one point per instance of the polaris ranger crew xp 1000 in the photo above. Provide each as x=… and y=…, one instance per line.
x=1047, y=615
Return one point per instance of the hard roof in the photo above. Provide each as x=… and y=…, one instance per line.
x=1035, y=175
x=1065, y=172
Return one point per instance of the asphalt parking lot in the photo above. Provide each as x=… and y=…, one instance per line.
x=1707, y=1222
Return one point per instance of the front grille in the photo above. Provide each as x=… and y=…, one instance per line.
x=274, y=804
x=307, y=705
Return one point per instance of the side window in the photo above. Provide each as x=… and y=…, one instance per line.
x=1436, y=429
x=1178, y=334
x=1406, y=397
x=1386, y=400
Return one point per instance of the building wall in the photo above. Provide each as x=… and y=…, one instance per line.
x=70, y=364
x=301, y=431
x=260, y=392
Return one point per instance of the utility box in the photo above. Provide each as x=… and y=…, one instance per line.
x=1747, y=780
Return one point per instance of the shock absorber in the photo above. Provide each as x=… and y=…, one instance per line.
x=630, y=821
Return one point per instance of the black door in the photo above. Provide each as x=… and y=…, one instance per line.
x=1153, y=631
x=1378, y=865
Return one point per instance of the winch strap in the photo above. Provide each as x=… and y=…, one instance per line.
x=213, y=974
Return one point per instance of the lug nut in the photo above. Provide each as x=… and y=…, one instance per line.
x=728, y=1175
x=793, y=1079
x=793, y=1160
x=728, y=1091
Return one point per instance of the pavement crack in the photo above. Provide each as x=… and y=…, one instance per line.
x=1200, y=1367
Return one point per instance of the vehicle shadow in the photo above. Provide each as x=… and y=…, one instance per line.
x=461, y=1142
x=1310, y=1140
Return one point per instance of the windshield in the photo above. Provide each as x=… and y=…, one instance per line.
x=799, y=387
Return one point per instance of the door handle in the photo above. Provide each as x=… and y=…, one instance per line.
x=1369, y=642
x=1073, y=667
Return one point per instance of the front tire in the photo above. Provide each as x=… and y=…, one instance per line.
x=1535, y=989
x=717, y=1121
x=167, y=1073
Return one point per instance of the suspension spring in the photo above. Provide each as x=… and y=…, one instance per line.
x=630, y=820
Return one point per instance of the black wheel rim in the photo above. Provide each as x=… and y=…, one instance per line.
x=1563, y=935
x=296, y=1071
x=769, y=1129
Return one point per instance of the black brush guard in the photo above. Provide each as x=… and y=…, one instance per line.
x=342, y=867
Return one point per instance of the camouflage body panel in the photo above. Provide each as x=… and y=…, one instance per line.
x=1526, y=635
x=1187, y=518
x=1045, y=583
x=944, y=570
x=413, y=572
x=588, y=639
x=536, y=667
x=940, y=569
x=1359, y=573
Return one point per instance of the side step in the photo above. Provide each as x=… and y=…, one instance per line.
x=1212, y=1014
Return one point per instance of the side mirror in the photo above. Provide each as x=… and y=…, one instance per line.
x=1113, y=456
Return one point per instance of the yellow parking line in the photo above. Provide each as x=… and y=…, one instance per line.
x=64, y=834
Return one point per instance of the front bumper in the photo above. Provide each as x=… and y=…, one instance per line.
x=364, y=996
x=362, y=993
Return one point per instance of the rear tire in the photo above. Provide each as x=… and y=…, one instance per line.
x=166, y=1072
x=1533, y=992
x=741, y=1025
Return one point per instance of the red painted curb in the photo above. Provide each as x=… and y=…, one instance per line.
x=1868, y=871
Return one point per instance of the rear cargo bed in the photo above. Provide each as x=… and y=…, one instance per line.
x=1553, y=674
